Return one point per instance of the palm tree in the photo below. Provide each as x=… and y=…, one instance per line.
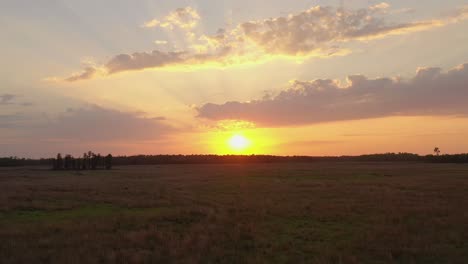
x=437, y=151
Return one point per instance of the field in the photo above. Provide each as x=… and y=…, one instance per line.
x=238, y=213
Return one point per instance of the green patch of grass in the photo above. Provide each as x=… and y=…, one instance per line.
x=79, y=213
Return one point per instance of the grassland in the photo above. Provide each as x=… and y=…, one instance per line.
x=239, y=213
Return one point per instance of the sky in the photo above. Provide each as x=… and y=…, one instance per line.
x=315, y=77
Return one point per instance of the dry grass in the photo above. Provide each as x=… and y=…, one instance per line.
x=255, y=213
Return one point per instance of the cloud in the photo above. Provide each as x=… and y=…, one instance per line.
x=80, y=129
x=459, y=15
x=143, y=60
x=87, y=73
x=89, y=123
x=159, y=59
x=184, y=18
x=11, y=99
x=96, y=123
x=429, y=92
x=380, y=6
x=315, y=32
x=6, y=99
x=320, y=28
x=160, y=42
x=10, y=120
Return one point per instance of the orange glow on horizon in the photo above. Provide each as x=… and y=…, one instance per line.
x=239, y=138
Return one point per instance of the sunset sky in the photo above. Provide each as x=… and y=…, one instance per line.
x=233, y=77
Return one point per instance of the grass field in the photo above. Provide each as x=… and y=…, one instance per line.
x=244, y=213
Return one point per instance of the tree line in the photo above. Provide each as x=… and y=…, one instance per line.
x=225, y=159
x=16, y=161
x=89, y=161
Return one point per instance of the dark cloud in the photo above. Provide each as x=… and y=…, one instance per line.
x=430, y=92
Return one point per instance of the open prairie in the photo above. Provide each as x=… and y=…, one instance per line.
x=238, y=213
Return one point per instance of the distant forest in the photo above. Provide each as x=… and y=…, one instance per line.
x=96, y=161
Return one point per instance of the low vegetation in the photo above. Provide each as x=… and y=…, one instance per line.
x=236, y=213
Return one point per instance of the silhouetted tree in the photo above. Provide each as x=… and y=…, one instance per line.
x=90, y=159
x=54, y=164
x=108, y=162
x=437, y=151
x=78, y=164
x=98, y=159
x=73, y=163
x=59, y=161
x=95, y=161
x=67, y=163
x=84, y=162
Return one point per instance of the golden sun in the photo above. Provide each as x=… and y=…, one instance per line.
x=238, y=143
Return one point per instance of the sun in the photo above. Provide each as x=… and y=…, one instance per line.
x=238, y=143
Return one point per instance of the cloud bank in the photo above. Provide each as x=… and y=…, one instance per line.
x=96, y=123
x=316, y=32
x=320, y=28
x=90, y=123
x=75, y=130
x=430, y=92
